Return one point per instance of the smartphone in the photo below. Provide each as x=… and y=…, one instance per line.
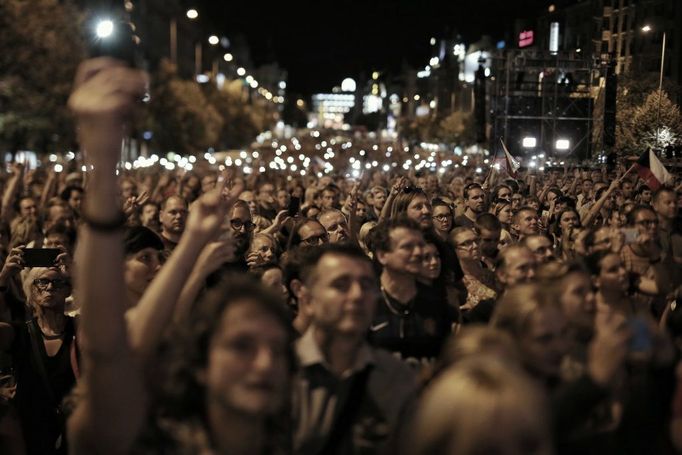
x=294, y=206
x=41, y=257
x=120, y=42
x=641, y=340
x=631, y=235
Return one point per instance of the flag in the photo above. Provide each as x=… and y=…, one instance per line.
x=652, y=171
x=507, y=161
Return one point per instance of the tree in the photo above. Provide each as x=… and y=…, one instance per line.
x=457, y=128
x=654, y=124
x=180, y=116
x=41, y=49
x=242, y=121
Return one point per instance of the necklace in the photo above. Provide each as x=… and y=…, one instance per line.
x=56, y=336
x=403, y=312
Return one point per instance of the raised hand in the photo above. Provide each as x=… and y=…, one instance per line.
x=214, y=255
x=13, y=264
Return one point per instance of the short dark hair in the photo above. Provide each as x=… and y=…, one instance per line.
x=137, y=238
x=487, y=221
x=175, y=196
x=381, y=234
x=662, y=190
x=525, y=208
x=61, y=228
x=636, y=210
x=469, y=187
x=65, y=195
x=317, y=253
x=295, y=238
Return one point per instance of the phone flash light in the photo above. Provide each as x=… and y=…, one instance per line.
x=105, y=28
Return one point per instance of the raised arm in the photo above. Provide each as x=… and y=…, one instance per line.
x=596, y=208
x=113, y=410
x=154, y=313
x=11, y=191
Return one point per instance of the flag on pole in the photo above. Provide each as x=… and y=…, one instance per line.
x=652, y=171
x=507, y=162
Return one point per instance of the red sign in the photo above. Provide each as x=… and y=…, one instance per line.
x=526, y=38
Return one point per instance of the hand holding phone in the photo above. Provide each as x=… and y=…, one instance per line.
x=294, y=206
x=41, y=257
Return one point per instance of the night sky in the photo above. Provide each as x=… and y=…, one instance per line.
x=321, y=42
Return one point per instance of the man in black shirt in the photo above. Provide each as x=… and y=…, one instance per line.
x=411, y=320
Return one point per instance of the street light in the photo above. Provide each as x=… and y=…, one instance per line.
x=192, y=14
x=647, y=28
x=213, y=40
x=228, y=57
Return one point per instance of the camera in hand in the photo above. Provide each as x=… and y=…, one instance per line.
x=40, y=257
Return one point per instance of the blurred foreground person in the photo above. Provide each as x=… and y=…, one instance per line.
x=480, y=406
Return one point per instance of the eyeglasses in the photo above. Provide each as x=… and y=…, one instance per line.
x=316, y=239
x=647, y=222
x=442, y=218
x=237, y=224
x=57, y=283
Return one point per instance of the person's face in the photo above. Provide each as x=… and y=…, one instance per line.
x=504, y=193
x=551, y=197
x=587, y=187
x=407, y=249
x=666, y=205
x=505, y=214
x=442, y=219
x=28, y=207
x=330, y=199
x=50, y=289
x=361, y=211
x=378, y=199
x=342, y=295
x=274, y=280
x=595, y=176
x=57, y=241
x=578, y=300
x=617, y=219
x=612, y=274
x=312, y=234
x=569, y=220
x=242, y=228
x=519, y=267
x=541, y=248
x=645, y=197
x=173, y=216
x=336, y=226
x=488, y=242
x=282, y=199
x=266, y=195
x=127, y=189
x=208, y=183
x=422, y=182
x=431, y=262
x=527, y=223
x=646, y=223
x=543, y=346
x=467, y=246
x=516, y=201
x=75, y=200
x=627, y=189
x=140, y=269
x=476, y=200
x=432, y=183
x=419, y=210
x=264, y=247
x=149, y=216
x=249, y=198
x=248, y=364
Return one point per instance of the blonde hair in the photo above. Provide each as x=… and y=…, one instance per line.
x=459, y=409
x=476, y=340
x=514, y=311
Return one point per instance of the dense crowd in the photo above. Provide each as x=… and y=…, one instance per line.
x=402, y=311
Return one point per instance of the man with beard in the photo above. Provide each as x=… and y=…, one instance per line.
x=172, y=217
x=411, y=320
x=336, y=225
x=241, y=228
x=474, y=200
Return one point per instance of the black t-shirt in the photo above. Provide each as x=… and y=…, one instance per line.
x=415, y=331
x=40, y=423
